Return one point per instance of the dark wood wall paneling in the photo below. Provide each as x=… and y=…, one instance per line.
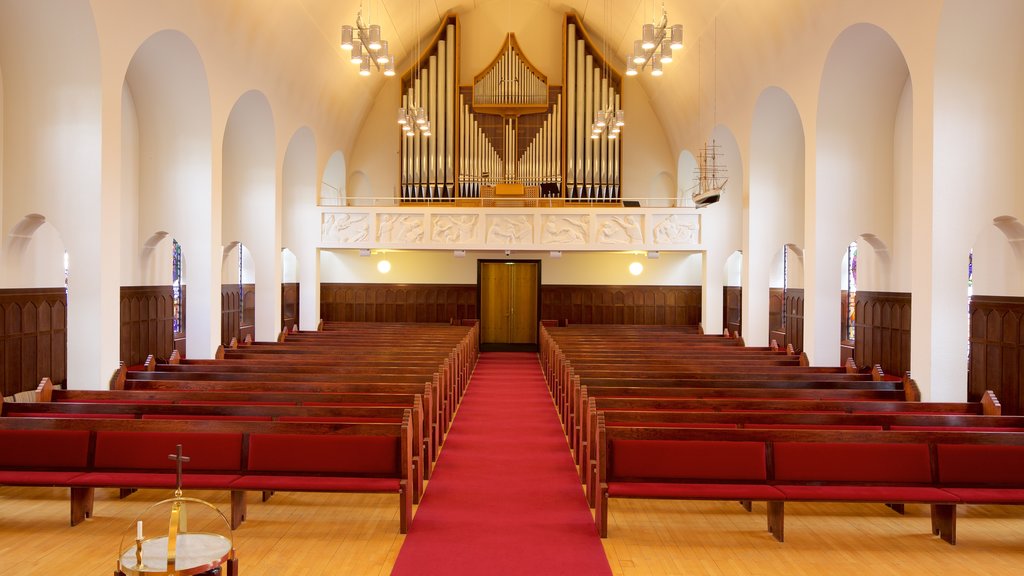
x=289, y=305
x=33, y=338
x=882, y=323
x=776, y=323
x=997, y=350
x=732, y=309
x=147, y=323
x=846, y=348
x=238, y=312
x=398, y=302
x=675, y=305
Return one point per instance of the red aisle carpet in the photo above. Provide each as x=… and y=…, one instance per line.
x=504, y=497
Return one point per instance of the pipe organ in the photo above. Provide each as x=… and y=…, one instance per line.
x=428, y=162
x=592, y=166
x=510, y=129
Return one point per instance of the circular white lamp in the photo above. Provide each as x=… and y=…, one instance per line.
x=636, y=268
x=383, y=266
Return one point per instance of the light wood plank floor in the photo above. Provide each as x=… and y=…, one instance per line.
x=335, y=534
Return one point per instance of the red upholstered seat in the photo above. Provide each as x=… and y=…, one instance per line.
x=316, y=483
x=867, y=494
x=353, y=455
x=693, y=491
x=852, y=462
x=44, y=449
x=70, y=415
x=686, y=460
x=122, y=451
x=978, y=464
x=206, y=417
x=154, y=480
x=36, y=478
x=988, y=495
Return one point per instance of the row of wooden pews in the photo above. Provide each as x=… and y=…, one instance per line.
x=356, y=393
x=660, y=413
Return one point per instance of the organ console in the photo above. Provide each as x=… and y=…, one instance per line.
x=510, y=133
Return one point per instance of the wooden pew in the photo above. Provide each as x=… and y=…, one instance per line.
x=938, y=468
x=226, y=455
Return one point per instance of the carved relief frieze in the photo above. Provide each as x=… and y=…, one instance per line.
x=454, y=228
x=676, y=229
x=400, y=228
x=567, y=229
x=619, y=229
x=345, y=228
x=513, y=229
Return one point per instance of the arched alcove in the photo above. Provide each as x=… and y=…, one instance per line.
x=299, y=206
x=721, y=228
x=250, y=201
x=167, y=172
x=775, y=209
x=332, y=185
x=238, y=293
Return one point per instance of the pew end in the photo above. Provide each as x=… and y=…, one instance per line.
x=877, y=375
x=175, y=357
x=283, y=335
x=119, y=377
x=150, y=364
x=910, y=389
x=851, y=366
x=233, y=345
x=990, y=405
x=44, y=392
x=219, y=354
x=804, y=360
x=774, y=345
x=790, y=350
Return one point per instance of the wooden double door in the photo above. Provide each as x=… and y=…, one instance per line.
x=509, y=301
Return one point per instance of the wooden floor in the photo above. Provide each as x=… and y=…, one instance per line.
x=334, y=534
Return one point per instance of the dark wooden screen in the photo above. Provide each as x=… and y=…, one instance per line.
x=147, y=323
x=776, y=323
x=732, y=309
x=33, y=338
x=997, y=350
x=289, y=305
x=794, y=320
x=882, y=320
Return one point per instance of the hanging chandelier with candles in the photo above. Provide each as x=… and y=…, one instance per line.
x=413, y=118
x=368, y=50
x=655, y=46
x=610, y=120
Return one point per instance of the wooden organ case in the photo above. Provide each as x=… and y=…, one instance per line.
x=511, y=138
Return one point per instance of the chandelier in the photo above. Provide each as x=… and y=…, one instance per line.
x=610, y=120
x=655, y=46
x=369, y=51
x=413, y=118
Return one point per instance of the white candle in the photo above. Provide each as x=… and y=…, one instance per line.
x=139, y=531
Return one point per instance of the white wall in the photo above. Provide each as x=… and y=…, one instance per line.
x=586, y=268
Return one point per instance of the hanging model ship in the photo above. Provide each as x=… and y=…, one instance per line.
x=711, y=176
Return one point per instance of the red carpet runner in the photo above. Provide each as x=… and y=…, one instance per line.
x=504, y=497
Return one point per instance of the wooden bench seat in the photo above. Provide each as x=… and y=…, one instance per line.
x=225, y=455
x=941, y=469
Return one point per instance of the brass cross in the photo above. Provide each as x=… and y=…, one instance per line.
x=180, y=460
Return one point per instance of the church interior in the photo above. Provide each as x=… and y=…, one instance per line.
x=181, y=179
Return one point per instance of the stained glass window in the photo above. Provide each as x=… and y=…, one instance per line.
x=176, y=313
x=851, y=299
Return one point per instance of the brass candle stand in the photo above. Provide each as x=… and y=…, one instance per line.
x=179, y=552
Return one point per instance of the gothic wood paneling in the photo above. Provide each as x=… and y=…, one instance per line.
x=846, y=350
x=776, y=323
x=732, y=309
x=289, y=304
x=33, y=338
x=660, y=305
x=147, y=323
x=882, y=322
x=794, y=319
x=997, y=350
x=398, y=302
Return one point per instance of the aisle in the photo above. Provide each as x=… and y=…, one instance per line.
x=504, y=497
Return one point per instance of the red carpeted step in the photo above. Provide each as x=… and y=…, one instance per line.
x=504, y=497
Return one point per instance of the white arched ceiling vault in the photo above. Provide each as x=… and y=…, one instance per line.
x=774, y=211
x=50, y=57
x=251, y=204
x=299, y=193
x=166, y=85
x=862, y=87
